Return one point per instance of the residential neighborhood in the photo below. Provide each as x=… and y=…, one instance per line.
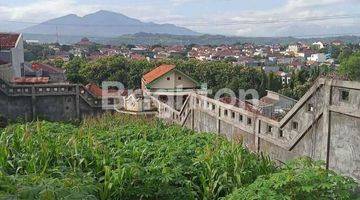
x=180, y=100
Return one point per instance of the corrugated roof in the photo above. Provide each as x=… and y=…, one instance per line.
x=30, y=80
x=157, y=73
x=8, y=40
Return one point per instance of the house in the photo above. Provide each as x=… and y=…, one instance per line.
x=337, y=42
x=319, y=45
x=11, y=55
x=318, y=57
x=293, y=48
x=84, y=42
x=169, y=84
x=277, y=104
x=55, y=74
x=168, y=78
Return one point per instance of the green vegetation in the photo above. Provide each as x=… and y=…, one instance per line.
x=121, y=157
x=299, y=179
x=216, y=74
x=350, y=66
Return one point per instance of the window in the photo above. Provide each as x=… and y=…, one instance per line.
x=179, y=78
x=163, y=98
x=310, y=107
x=269, y=129
x=233, y=115
x=213, y=106
x=281, y=133
x=111, y=101
x=241, y=118
x=226, y=112
x=168, y=78
x=249, y=121
x=345, y=95
x=295, y=125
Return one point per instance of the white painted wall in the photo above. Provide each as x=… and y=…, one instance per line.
x=173, y=82
x=17, y=57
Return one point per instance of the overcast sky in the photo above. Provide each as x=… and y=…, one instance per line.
x=230, y=17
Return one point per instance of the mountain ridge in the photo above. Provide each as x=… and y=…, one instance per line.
x=97, y=24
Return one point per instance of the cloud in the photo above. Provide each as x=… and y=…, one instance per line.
x=296, y=18
x=291, y=15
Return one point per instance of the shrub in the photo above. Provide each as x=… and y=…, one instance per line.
x=299, y=179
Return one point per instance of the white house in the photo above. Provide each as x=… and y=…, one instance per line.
x=319, y=44
x=318, y=57
x=11, y=55
x=293, y=48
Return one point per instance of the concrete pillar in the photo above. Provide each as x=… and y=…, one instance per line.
x=257, y=131
x=192, y=110
x=218, y=120
x=77, y=102
x=326, y=117
x=33, y=103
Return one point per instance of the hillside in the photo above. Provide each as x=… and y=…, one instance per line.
x=102, y=24
x=122, y=157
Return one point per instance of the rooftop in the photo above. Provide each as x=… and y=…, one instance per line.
x=157, y=73
x=8, y=40
x=30, y=80
x=47, y=68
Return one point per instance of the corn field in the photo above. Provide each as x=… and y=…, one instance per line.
x=121, y=157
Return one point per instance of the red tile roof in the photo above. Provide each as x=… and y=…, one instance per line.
x=47, y=68
x=8, y=40
x=97, y=91
x=157, y=73
x=137, y=57
x=30, y=80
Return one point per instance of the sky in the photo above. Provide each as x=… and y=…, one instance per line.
x=227, y=17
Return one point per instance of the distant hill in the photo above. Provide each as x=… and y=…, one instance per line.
x=167, y=39
x=103, y=24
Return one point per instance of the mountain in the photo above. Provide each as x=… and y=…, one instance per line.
x=103, y=24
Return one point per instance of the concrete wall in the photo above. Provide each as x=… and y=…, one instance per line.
x=51, y=102
x=327, y=126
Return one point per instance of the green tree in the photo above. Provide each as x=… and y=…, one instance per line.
x=274, y=82
x=351, y=66
x=73, y=70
